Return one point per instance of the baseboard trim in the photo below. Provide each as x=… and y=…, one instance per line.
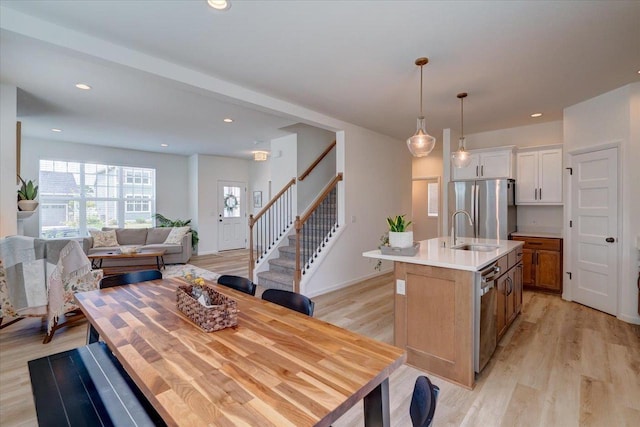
x=349, y=283
x=635, y=320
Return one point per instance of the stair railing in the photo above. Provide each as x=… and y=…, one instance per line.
x=315, y=228
x=317, y=161
x=270, y=224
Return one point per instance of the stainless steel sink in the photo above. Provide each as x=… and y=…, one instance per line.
x=476, y=247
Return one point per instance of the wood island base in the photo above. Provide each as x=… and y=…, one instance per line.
x=434, y=320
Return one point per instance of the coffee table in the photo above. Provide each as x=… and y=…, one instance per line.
x=97, y=257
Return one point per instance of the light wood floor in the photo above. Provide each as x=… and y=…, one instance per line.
x=560, y=364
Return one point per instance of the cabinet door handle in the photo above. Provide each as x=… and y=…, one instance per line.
x=610, y=239
x=477, y=171
x=482, y=170
x=535, y=194
x=540, y=192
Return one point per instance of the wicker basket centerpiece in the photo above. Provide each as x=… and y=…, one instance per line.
x=222, y=311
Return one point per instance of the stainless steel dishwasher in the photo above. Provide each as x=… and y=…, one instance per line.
x=485, y=341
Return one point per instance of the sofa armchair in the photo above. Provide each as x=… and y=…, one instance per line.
x=145, y=239
x=39, y=278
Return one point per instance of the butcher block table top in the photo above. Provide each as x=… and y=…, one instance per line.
x=277, y=367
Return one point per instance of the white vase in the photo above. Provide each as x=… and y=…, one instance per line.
x=27, y=205
x=401, y=239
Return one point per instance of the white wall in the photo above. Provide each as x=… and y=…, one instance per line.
x=192, y=191
x=8, y=196
x=311, y=142
x=377, y=184
x=211, y=170
x=172, y=199
x=523, y=136
x=284, y=167
x=259, y=180
x=614, y=117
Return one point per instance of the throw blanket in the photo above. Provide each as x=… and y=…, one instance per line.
x=25, y=271
x=72, y=264
x=39, y=277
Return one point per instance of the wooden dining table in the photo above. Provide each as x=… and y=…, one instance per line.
x=277, y=367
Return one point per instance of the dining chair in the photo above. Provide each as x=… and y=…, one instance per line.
x=119, y=280
x=291, y=300
x=423, y=402
x=238, y=283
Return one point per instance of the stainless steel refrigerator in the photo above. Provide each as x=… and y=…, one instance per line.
x=491, y=204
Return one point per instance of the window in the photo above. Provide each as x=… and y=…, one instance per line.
x=137, y=176
x=433, y=199
x=137, y=203
x=78, y=197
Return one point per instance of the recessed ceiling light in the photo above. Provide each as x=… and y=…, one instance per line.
x=227, y=120
x=534, y=115
x=83, y=86
x=164, y=145
x=219, y=4
x=56, y=130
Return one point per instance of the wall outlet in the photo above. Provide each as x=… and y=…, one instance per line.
x=400, y=287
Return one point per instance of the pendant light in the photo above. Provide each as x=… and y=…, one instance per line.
x=461, y=158
x=421, y=143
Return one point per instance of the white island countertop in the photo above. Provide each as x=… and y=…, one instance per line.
x=433, y=253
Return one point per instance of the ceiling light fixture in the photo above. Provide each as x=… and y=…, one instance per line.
x=164, y=145
x=56, y=130
x=220, y=4
x=421, y=143
x=227, y=120
x=461, y=158
x=260, y=156
x=536, y=115
x=83, y=86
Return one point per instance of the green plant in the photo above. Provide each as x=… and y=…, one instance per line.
x=28, y=190
x=398, y=223
x=163, y=221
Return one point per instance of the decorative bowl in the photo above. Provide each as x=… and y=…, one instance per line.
x=128, y=250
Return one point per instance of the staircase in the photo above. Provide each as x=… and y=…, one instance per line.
x=298, y=250
x=319, y=229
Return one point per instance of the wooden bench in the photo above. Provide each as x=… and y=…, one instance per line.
x=87, y=386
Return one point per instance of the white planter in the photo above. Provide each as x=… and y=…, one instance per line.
x=27, y=205
x=402, y=239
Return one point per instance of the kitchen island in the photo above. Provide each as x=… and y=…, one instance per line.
x=445, y=315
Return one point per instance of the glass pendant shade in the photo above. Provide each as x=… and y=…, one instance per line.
x=421, y=144
x=460, y=158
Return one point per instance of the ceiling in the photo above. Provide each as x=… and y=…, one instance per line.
x=352, y=61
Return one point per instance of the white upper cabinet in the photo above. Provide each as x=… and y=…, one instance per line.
x=486, y=164
x=539, y=177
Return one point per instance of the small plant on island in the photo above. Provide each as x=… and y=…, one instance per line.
x=28, y=190
x=398, y=224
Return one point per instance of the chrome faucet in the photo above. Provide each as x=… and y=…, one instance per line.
x=453, y=224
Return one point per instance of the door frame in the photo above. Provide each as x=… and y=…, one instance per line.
x=567, y=292
x=441, y=194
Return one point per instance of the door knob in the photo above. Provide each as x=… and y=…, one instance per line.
x=610, y=239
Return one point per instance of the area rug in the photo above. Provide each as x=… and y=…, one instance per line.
x=179, y=270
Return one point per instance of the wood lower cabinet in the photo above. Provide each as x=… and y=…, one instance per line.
x=509, y=294
x=542, y=263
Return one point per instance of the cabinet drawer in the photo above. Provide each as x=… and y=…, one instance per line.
x=512, y=257
x=503, y=263
x=540, y=243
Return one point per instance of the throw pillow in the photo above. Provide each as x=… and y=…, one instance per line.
x=175, y=235
x=104, y=239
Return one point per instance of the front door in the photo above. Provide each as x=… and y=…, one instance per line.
x=594, y=247
x=232, y=221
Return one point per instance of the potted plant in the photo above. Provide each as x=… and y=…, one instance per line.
x=163, y=221
x=27, y=195
x=399, y=237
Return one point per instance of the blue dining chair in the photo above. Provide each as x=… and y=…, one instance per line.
x=119, y=280
x=423, y=402
x=291, y=300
